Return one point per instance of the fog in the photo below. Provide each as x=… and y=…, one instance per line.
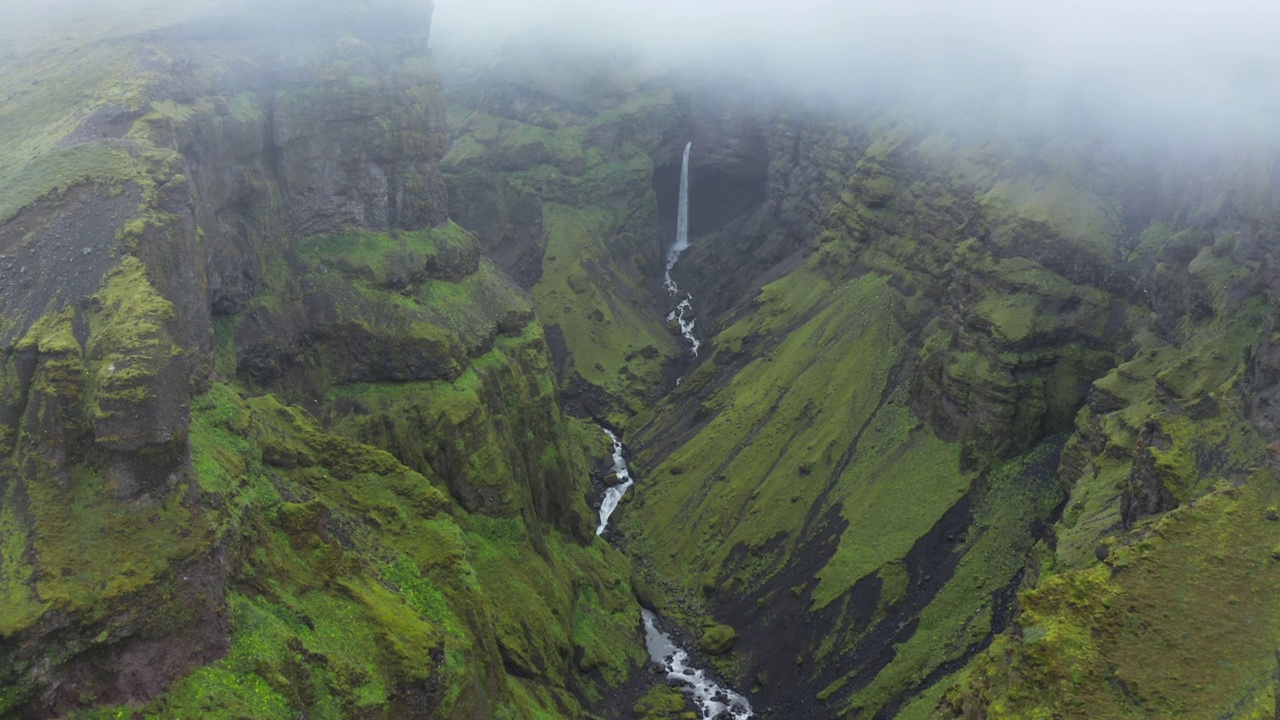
x=1191, y=67
x=1195, y=68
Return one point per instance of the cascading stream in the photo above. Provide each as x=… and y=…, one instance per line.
x=613, y=495
x=685, y=307
x=714, y=701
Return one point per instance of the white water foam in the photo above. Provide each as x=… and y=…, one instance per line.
x=686, y=326
x=714, y=701
x=613, y=495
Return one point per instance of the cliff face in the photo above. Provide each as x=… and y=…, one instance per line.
x=552, y=166
x=237, y=217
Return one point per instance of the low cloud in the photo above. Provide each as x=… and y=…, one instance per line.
x=1188, y=66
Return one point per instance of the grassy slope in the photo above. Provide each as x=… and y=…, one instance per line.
x=368, y=565
x=358, y=584
x=818, y=418
x=1179, y=623
x=1174, y=620
x=528, y=620
x=66, y=548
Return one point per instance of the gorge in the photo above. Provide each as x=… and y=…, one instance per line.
x=322, y=326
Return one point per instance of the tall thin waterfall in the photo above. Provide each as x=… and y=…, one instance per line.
x=682, y=243
x=682, y=215
x=682, y=221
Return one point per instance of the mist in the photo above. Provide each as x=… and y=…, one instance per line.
x=1190, y=68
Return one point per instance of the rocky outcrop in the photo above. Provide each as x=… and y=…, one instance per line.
x=507, y=220
x=1146, y=489
x=353, y=154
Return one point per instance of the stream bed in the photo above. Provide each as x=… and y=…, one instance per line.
x=714, y=701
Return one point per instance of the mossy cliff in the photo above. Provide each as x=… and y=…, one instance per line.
x=552, y=165
x=275, y=437
x=975, y=338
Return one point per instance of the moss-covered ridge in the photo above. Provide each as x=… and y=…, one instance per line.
x=551, y=164
x=108, y=553
x=1179, y=622
x=514, y=607
x=827, y=480
x=360, y=589
x=1169, y=470
x=363, y=306
x=799, y=485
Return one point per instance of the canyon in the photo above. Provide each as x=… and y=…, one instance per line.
x=309, y=330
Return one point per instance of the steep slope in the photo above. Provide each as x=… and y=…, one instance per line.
x=858, y=476
x=276, y=437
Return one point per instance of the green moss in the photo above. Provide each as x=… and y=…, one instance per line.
x=660, y=703
x=1015, y=498
x=1150, y=241
x=88, y=551
x=1092, y=511
x=52, y=90
x=391, y=259
x=129, y=346
x=736, y=481
x=1063, y=203
x=1184, y=630
x=415, y=595
x=717, y=639
x=913, y=483
x=493, y=434
x=62, y=368
x=580, y=165
x=577, y=294
x=19, y=604
x=1011, y=316
x=1183, y=392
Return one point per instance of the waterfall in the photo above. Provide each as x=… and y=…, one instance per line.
x=682, y=244
x=613, y=495
x=682, y=221
x=682, y=215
